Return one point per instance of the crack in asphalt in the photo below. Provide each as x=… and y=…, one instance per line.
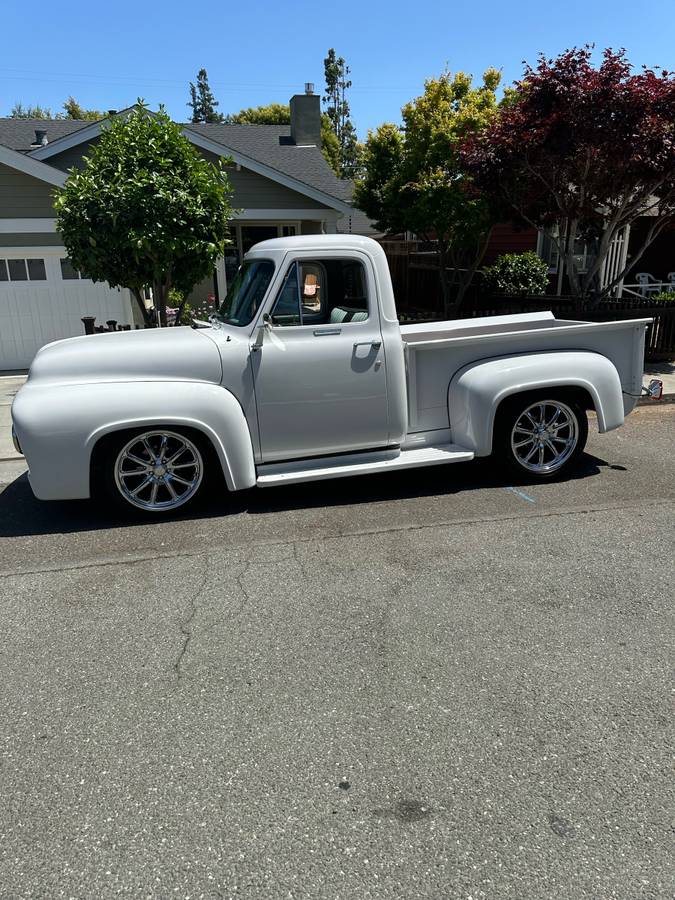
x=186, y=624
x=130, y=559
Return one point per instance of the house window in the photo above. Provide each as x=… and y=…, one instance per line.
x=36, y=269
x=583, y=252
x=22, y=270
x=68, y=271
x=288, y=230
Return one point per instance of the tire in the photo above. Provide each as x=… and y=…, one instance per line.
x=540, y=436
x=153, y=472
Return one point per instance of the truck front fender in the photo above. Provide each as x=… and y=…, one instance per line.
x=476, y=391
x=58, y=427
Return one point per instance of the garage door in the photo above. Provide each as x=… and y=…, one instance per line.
x=42, y=299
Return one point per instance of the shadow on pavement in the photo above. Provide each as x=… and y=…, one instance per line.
x=22, y=515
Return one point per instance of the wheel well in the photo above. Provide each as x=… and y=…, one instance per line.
x=571, y=394
x=106, y=441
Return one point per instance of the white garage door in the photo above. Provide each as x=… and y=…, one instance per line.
x=42, y=299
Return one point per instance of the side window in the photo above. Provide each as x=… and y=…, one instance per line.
x=301, y=300
x=325, y=291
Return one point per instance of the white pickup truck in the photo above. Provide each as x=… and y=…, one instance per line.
x=306, y=374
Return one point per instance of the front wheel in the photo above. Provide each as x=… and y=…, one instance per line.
x=154, y=471
x=540, y=438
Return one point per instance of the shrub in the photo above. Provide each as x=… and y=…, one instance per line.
x=664, y=297
x=517, y=273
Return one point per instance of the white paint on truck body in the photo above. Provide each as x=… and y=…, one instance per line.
x=300, y=402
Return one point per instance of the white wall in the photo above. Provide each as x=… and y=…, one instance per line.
x=33, y=313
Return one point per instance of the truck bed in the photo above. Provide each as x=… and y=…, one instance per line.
x=436, y=351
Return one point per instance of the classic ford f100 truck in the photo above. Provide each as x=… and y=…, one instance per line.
x=306, y=374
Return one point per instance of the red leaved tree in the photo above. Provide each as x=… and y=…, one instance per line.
x=584, y=151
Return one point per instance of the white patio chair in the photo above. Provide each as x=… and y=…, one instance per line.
x=648, y=284
x=671, y=279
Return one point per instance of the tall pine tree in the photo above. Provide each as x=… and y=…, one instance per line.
x=337, y=72
x=202, y=101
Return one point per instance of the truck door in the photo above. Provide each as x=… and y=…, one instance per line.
x=319, y=375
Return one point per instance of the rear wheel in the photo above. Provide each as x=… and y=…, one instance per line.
x=541, y=437
x=154, y=471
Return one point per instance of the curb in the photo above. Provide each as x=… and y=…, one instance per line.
x=667, y=398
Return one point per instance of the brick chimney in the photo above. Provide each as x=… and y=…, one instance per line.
x=306, y=117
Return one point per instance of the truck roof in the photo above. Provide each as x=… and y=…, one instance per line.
x=311, y=241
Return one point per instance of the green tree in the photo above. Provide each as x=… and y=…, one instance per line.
x=336, y=73
x=280, y=114
x=73, y=110
x=202, y=101
x=19, y=111
x=414, y=178
x=147, y=209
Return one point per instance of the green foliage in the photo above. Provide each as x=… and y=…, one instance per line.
x=414, y=178
x=280, y=114
x=147, y=208
x=19, y=111
x=202, y=100
x=336, y=73
x=73, y=110
x=664, y=297
x=272, y=114
x=517, y=274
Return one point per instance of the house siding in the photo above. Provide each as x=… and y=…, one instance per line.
x=250, y=190
x=51, y=239
x=24, y=197
x=506, y=238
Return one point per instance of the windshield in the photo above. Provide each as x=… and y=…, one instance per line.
x=246, y=292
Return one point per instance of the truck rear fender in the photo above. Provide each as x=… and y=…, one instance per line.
x=477, y=390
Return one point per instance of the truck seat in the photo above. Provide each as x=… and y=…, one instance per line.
x=344, y=314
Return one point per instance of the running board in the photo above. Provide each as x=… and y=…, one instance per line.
x=295, y=472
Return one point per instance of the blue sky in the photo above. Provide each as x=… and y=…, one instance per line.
x=108, y=53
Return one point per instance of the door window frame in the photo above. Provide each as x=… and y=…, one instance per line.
x=315, y=256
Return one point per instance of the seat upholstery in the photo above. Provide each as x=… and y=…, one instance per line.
x=341, y=314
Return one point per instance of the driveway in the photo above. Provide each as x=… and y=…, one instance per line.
x=425, y=684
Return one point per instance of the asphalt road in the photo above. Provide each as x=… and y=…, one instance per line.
x=430, y=684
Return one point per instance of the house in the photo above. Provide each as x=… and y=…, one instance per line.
x=658, y=260
x=282, y=185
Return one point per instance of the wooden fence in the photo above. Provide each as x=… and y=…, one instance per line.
x=418, y=298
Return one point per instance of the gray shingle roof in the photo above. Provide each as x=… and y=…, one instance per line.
x=19, y=134
x=261, y=143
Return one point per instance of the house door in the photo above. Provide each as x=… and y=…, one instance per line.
x=320, y=380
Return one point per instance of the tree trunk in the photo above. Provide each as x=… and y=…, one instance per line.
x=446, y=292
x=141, y=306
x=160, y=295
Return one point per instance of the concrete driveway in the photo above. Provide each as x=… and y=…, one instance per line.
x=431, y=684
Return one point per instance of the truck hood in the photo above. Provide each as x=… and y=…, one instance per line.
x=146, y=355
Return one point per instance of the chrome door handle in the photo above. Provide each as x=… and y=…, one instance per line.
x=374, y=344
x=324, y=331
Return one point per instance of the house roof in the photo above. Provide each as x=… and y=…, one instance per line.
x=261, y=143
x=256, y=143
x=19, y=134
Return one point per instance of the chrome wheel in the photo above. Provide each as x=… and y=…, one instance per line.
x=158, y=470
x=544, y=436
